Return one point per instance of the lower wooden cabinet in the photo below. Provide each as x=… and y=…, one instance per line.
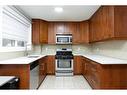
x=77, y=65
x=91, y=73
x=104, y=76
x=42, y=69
x=51, y=65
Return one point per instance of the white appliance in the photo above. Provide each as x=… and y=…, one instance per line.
x=34, y=75
x=63, y=39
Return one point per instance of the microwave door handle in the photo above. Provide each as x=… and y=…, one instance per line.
x=70, y=39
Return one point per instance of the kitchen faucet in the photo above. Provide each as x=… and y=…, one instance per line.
x=26, y=49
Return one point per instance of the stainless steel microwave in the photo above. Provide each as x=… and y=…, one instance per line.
x=63, y=39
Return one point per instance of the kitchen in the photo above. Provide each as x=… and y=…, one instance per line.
x=86, y=48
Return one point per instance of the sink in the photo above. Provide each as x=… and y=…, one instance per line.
x=32, y=56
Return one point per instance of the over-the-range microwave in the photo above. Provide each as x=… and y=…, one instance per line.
x=63, y=38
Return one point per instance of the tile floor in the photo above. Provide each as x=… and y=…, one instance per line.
x=74, y=82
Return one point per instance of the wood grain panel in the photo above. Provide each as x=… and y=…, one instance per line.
x=84, y=32
x=51, y=65
x=36, y=31
x=77, y=65
x=101, y=76
x=42, y=69
x=51, y=33
x=39, y=31
x=120, y=21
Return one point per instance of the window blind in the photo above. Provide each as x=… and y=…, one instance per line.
x=14, y=26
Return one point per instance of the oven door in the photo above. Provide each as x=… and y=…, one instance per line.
x=64, y=64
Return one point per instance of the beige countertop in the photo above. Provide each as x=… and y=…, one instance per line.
x=103, y=59
x=97, y=58
x=22, y=60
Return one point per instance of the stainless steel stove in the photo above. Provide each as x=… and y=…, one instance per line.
x=64, y=62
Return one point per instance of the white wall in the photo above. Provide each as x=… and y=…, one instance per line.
x=9, y=55
x=116, y=49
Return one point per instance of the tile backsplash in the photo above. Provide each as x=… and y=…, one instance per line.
x=51, y=49
x=116, y=49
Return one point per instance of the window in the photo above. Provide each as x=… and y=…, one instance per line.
x=15, y=29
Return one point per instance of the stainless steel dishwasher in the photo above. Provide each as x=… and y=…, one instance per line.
x=34, y=75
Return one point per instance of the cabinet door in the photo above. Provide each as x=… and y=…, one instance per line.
x=120, y=22
x=35, y=31
x=84, y=32
x=42, y=69
x=51, y=33
x=77, y=65
x=76, y=33
x=59, y=27
x=51, y=65
x=43, y=32
x=101, y=24
x=69, y=27
x=39, y=31
x=83, y=66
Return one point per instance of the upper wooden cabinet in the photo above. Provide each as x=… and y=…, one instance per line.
x=109, y=22
x=79, y=31
x=39, y=31
x=45, y=32
x=64, y=27
x=59, y=28
x=84, y=32
x=51, y=33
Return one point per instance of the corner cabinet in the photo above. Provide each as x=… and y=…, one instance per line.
x=109, y=22
x=39, y=31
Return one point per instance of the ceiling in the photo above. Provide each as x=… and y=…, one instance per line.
x=70, y=13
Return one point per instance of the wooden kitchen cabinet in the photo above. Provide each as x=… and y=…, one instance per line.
x=105, y=76
x=84, y=32
x=51, y=33
x=76, y=36
x=108, y=23
x=70, y=27
x=91, y=73
x=83, y=66
x=39, y=31
x=64, y=27
x=51, y=65
x=42, y=69
x=59, y=28
x=77, y=65
x=45, y=32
